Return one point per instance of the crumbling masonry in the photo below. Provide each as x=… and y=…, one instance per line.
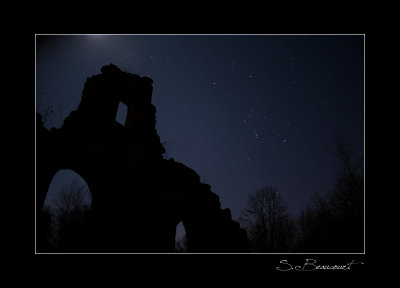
x=138, y=197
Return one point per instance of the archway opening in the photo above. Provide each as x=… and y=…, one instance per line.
x=180, y=239
x=67, y=201
x=68, y=181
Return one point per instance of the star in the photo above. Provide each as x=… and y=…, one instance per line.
x=255, y=134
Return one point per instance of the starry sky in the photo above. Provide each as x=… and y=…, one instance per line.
x=243, y=111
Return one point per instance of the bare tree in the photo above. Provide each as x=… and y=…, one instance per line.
x=72, y=199
x=267, y=222
x=334, y=223
x=348, y=195
x=69, y=209
x=44, y=110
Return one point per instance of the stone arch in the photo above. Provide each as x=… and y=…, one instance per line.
x=61, y=180
x=57, y=151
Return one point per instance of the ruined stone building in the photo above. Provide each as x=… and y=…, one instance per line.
x=138, y=196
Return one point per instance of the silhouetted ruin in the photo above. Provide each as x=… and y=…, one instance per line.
x=138, y=196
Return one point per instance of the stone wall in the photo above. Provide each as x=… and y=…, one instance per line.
x=138, y=196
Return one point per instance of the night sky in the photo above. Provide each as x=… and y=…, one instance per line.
x=243, y=111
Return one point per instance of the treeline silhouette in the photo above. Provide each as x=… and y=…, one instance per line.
x=66, y=216
x=329, y=224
